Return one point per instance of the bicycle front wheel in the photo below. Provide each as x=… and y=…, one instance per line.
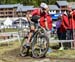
x=40, y=45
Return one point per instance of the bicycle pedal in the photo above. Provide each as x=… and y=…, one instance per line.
x=26, y=46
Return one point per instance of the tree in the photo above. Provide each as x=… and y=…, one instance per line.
x=30, y=2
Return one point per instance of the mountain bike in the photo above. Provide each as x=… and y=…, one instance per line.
x=39, y=43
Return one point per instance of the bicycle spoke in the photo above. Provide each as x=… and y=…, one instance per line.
x=40, y=45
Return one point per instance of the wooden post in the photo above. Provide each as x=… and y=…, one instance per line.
x=74, y=39
x=71, y=44
x=73, y=32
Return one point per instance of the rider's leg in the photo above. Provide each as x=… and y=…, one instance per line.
x=27, y=44
x=32, y=29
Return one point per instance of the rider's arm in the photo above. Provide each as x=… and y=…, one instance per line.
x=48, y=18
x=28, y=17
x=46, y=24
x=34, y=12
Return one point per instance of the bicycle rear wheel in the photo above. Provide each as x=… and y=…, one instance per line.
x=40, y=45
x=23, y=49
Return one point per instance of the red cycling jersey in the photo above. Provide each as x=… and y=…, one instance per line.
x=42, y=18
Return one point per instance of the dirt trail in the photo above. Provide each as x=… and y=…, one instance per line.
x=13, y=56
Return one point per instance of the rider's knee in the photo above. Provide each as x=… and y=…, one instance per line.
x=33, y=28
x=32, y=31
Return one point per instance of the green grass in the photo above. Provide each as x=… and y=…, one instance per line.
x=62, y=54
x=66, y=53
x=9, y=53
x=56, y=53
x=9, y=30
x=4, y=47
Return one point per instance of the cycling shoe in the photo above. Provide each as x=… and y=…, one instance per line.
x=27, y=45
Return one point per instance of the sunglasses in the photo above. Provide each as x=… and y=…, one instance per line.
x=43, y=8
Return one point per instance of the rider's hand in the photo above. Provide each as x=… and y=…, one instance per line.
x=28, y=16
x=47, y=28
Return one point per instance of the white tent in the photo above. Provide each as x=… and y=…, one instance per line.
x=8, y=22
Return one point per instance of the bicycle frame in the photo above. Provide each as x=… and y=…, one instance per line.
x=41, y=30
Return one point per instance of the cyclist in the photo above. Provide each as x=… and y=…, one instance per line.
x=41, y=13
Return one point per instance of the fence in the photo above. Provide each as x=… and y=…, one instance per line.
x=6, y=37
x=51, y=41
x=63, y=41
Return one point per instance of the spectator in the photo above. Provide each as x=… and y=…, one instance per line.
x=58, y=24
x=70, y=30
x=72, y=25
x=64, y=27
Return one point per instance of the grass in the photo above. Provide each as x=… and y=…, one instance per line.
x=9, y=30
x=63, y=54
x=13, y=45
x=5, y=47
x=66, y=53
x=10, y=53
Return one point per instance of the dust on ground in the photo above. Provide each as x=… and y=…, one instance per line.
x=10, y=53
